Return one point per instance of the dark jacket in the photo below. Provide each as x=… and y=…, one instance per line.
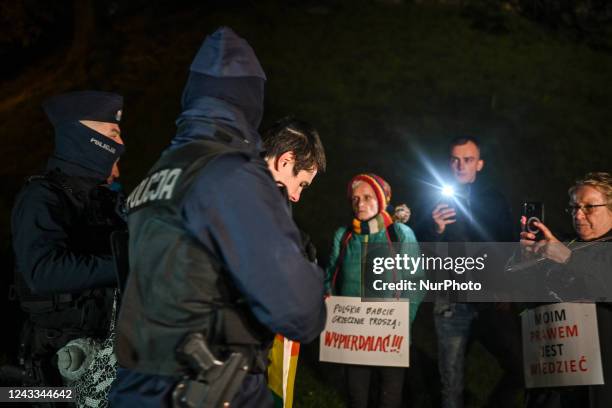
x=483, y=215
x=233, y=224
x=65, y=274
x=585, y=276
x=60, y=232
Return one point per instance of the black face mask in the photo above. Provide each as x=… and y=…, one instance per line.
x=76, y=143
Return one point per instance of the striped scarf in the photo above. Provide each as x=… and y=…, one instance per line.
x=376, y=224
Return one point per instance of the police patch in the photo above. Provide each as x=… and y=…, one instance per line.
x=158, y=186
x=103, y=145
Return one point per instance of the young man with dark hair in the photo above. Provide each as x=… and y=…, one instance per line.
x=294, y=153
x=478, y=212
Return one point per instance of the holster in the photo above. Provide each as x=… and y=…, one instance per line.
x=211, y=383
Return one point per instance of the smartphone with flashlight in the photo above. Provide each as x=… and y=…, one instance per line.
x=447, y=197
x=447, y=193
x=533, y=211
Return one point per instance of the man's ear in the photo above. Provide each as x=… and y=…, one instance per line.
x=479, y=165
x=284, y=160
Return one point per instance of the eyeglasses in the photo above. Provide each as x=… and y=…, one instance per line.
x=586, y=209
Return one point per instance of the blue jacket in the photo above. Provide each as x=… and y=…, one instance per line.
x=236, y=212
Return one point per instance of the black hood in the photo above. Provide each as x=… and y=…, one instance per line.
x=224, y=91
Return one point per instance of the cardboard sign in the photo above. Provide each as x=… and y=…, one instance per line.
x=561, y=345
x=367, y=333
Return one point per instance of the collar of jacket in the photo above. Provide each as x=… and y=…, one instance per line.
x=74, y=170
x=215, y=119
x=604, y=238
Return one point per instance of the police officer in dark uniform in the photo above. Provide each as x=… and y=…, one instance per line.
x=213, y=251
x=61, y=227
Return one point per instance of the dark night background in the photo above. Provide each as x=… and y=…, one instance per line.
x=387, y=83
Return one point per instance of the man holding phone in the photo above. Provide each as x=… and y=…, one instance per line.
x=476, y=212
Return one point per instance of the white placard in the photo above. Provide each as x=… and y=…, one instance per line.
x=367, y=333
x=561, y=345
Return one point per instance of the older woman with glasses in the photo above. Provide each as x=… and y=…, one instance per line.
x=582, y=268
x=591, y=210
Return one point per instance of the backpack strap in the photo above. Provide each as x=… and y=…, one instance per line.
x=343, y=244
x=392, y=234
x=391, y=239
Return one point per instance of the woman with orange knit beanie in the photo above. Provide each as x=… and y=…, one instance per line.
x=369, y=195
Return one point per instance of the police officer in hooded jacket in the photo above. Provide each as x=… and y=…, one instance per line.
x=61, y=226
x=213, y=248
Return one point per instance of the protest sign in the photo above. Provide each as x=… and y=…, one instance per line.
x=367, y=333
x=561, y=345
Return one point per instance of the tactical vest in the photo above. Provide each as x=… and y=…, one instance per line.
x=176, y=285
x=61, y=317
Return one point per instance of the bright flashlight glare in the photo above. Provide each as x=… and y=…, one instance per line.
x=448, y=191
